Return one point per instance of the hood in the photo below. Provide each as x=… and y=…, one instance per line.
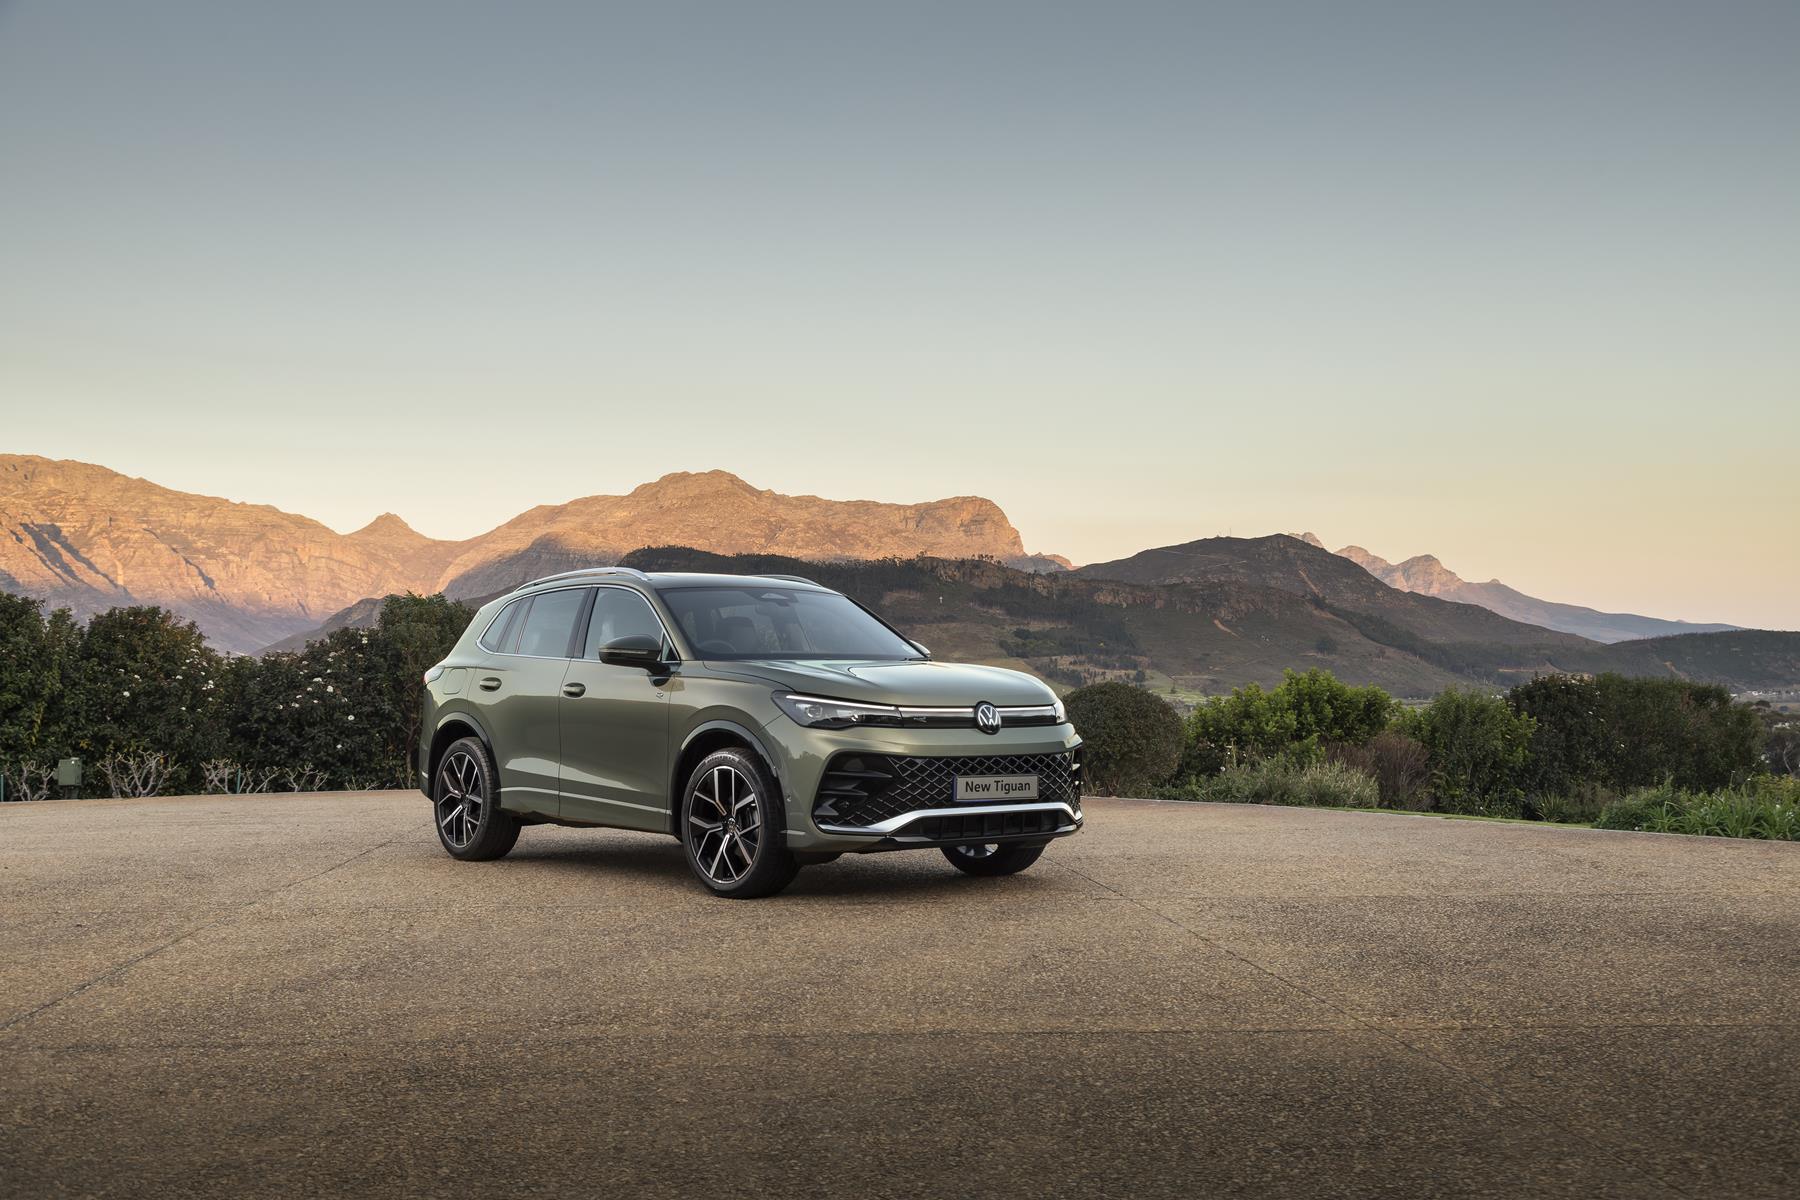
x=922, y=683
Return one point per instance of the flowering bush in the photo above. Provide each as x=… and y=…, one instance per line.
x=152, y=708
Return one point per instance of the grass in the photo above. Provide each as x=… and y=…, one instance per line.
x=1273, y=781
x=1767, y=807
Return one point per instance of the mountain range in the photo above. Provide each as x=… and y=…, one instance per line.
x=1428, y=576
x=86, y=538
x=1201, y=616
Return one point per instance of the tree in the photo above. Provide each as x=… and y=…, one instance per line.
x=1477, y=747
x=421, y=630
x=143, y=681
x=347, y=706
x=35, y=653
x=1132, y=738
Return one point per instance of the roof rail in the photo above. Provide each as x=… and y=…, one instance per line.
x=796, y=579
x=631, y=571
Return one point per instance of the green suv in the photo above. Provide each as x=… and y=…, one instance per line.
x=765, y=721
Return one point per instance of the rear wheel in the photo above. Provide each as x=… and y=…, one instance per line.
x=466, y=802
x=733, y=829
x=993, y=858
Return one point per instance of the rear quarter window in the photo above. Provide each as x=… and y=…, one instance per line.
x=499, y=636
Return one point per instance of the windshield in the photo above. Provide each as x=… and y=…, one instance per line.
x=761, y=622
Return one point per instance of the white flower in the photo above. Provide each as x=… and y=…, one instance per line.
x=124, y=693
x=350, y=717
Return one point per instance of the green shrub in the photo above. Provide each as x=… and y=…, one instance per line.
x=1767, y=807
x=1624, y=733
x=1282, y=781
x=1132, y=738
x=1295, y=721
x=1478, y=748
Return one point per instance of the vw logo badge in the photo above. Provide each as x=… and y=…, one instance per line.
x=987, y=718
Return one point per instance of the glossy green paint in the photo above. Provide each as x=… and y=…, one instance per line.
x=609, y=756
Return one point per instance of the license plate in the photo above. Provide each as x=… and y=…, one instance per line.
x=996, y=787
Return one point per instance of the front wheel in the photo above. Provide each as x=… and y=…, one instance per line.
x=993, y=858
x=732, y=827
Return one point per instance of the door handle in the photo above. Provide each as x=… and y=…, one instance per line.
x=490, y=684
x=574, y=689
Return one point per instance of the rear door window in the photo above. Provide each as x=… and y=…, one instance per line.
x=550, y=623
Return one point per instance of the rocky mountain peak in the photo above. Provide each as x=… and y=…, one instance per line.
x=1425, y=573
x=685, y=486
x=387, y=525
x=1374, y=564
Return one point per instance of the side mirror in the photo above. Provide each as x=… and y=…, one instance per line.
x=920, y=647
x=638, y=650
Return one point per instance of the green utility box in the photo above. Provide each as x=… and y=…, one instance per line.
x=68, y=776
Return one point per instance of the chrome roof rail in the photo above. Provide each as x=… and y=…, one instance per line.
x=631, y=571
x=796, y=579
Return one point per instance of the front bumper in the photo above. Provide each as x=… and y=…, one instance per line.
x=928, y=819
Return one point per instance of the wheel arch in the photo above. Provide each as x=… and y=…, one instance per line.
x=703, y=740
x=452, y=727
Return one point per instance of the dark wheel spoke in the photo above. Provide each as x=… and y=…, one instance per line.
x=461, y=804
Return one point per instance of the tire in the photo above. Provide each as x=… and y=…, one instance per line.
x=733, y=827
x=465, y=804
x=993, y=858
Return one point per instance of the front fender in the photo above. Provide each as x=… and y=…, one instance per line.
x=758, y=741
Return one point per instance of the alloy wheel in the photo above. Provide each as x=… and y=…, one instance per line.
x=461, y=799
x=725, y=822
x=986, y=851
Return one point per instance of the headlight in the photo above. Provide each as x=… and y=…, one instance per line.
x=821, y=713
x=1062, y=714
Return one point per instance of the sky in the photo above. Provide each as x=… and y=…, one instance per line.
x=1514, y=284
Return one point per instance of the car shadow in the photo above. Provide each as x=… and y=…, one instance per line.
x=919, y=873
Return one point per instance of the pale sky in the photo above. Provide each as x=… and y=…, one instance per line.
x=1515, y=284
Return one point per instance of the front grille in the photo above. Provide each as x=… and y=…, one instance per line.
x=864, y=789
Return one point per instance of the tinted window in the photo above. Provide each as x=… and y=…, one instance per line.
x=619, y=613
x=498, y=633
x=747, y=622
x=549, y=622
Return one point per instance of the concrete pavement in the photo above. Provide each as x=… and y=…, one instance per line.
x=303, y=994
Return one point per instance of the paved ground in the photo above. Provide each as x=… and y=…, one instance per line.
x=304, y=995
